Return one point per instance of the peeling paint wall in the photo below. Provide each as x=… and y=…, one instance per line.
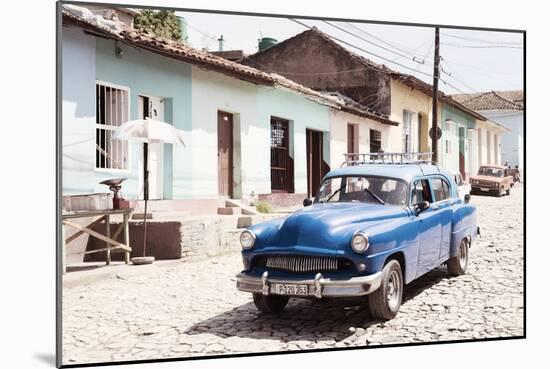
x=311, y=60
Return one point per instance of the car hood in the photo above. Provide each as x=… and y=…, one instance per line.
x=330, y=225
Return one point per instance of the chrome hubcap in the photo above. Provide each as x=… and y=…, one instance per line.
x=463, y=255
x=393, y=290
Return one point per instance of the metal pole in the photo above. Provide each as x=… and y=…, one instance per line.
x=145, y=193
x=435, y=96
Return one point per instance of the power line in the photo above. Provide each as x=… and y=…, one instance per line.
x=372, y=43
x=479, y=68
x=363, y=50
x=481, y=46
x=452, y=75
x=483, y=41
x=400, y=48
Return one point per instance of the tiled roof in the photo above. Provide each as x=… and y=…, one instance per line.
x=492, y=100
x=177, y=50
x=404, y=78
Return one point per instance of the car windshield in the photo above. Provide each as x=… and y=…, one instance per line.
x=493, y=172
x=371, y=189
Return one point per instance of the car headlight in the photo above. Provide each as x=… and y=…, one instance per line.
x=360, y=243
x=247, y=240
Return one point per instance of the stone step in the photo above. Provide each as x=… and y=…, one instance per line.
x=231, y=203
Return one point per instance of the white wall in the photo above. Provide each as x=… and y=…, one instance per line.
x=212, y=92
x=511, y=142
x=487, y=148
x=252, y=107
x=339, y=135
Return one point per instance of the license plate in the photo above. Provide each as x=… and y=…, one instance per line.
x=485, y=189
x=291, y=289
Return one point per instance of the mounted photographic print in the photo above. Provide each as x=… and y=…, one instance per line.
x=240, y=184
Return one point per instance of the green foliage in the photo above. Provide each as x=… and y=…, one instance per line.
x=163, y=23
x=263, y=207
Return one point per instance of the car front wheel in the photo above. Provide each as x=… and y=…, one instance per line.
x=457, y=265
x=384, y=303
x=270, y=304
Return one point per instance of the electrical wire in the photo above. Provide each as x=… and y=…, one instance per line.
x=483, y=41
x=399, y=48
x=363, y=50
x=373, y=43
x=481, y=46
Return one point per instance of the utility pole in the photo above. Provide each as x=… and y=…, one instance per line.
x=435, y=99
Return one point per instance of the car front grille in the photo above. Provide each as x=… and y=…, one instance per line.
x=486, y=183
x=302, y=263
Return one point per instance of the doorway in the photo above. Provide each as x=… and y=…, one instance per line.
x=314, y=154
x=153, y=107
x=225, y=154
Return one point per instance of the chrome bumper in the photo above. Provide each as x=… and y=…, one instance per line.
x=318, y=287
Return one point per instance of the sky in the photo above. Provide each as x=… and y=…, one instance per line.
x=471, y=61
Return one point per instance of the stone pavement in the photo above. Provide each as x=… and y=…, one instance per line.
x=194, y=309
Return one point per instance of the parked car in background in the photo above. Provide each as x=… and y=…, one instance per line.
x=463, y=187
x=494, y=179
x=371, y=229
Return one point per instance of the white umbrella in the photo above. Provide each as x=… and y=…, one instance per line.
x=148, y=131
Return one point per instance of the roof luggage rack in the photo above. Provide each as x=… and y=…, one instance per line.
x=388, y=158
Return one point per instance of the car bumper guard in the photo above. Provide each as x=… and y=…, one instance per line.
x=318, y=287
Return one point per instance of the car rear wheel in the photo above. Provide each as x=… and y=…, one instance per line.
x=270, y=304
x=384, y=303
x=508, y=192
x=457, y=265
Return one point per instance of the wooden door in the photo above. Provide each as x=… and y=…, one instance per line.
x=282, y=165
x=314, y=151
x=351, y=139
x=225, y=154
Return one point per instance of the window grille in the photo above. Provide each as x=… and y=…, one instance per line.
x=111, y=111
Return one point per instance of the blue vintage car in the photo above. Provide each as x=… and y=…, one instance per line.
x=371, y=229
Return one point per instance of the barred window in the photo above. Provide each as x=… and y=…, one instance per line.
x=375, y=140
x=111, y=111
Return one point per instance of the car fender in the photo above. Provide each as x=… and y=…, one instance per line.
x=388, y=238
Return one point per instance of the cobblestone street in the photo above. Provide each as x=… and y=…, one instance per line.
x=194, y=309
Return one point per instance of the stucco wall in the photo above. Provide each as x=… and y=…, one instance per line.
x=512, y=142
x=252, y=108
x=403, y=98
x=78, y=112
x=452, y=120
x=312, y=60
x=303, y=114
x=339, y=121
x=212, y=92
x=150, y=74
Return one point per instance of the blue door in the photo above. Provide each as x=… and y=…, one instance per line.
x=429, y=228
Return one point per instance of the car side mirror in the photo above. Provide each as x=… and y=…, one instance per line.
x=467, y=198
x=307, y=201
x=419, y=207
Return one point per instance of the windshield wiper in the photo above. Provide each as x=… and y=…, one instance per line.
x=375, y=196
x=334, y=194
